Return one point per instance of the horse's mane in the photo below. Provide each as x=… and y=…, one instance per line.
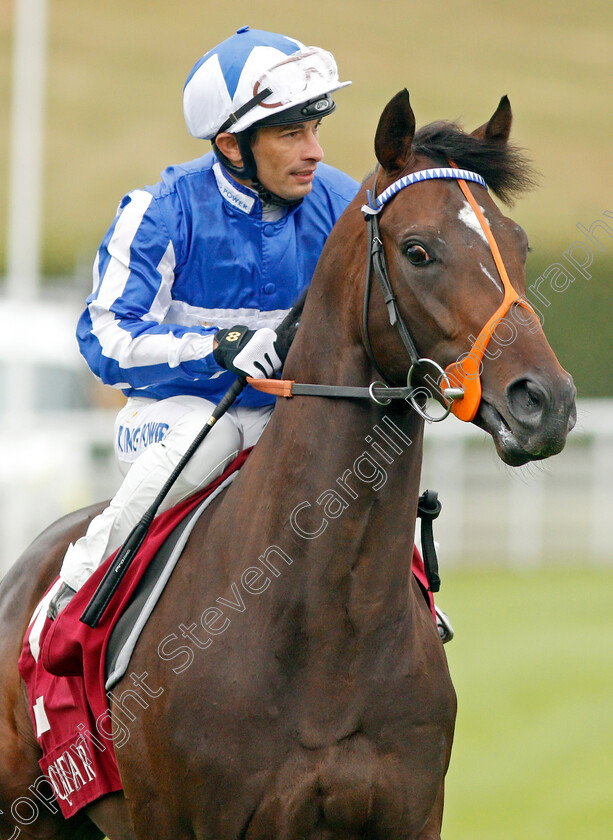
x=506, y=168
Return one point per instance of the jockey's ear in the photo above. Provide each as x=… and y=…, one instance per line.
x=395, y=133
x=498, y=128
x=228, y=146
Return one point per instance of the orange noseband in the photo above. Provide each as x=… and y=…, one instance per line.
x=466, y=372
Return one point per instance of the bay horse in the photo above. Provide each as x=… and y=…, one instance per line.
x=296, y=684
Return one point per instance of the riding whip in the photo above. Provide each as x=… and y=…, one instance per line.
x=126, y=554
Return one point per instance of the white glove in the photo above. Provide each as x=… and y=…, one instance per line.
x=248, y=352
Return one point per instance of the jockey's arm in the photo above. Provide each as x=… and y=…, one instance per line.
x=123, y=334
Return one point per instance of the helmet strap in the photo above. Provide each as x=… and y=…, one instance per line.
x=248, y=168
x=268, y=197
x=248, y=171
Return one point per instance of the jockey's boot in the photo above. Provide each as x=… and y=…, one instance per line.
x=61, y=598
x=443, y=625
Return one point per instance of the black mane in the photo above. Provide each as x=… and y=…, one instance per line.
x=506, y=168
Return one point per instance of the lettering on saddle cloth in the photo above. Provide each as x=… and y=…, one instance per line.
x=70, y=771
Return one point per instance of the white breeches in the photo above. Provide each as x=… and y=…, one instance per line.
x=150, y=438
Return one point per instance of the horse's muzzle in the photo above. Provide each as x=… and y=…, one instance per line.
x=534, y=422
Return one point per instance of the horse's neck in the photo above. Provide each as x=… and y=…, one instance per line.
x=346, y=472
x=351, y=475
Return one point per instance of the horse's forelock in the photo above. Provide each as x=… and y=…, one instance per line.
x=505, y=167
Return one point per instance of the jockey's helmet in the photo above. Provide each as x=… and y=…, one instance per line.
x=256, y=78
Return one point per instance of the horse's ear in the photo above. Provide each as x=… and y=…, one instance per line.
x=395, y=133
x=498, y=128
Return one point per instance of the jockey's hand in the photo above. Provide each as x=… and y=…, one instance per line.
x=247, y=352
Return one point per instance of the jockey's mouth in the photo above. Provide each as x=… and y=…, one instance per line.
x=304, y=175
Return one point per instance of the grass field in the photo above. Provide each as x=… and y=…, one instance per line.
x=532, y=663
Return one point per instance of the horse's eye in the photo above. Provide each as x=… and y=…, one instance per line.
x=417, y=255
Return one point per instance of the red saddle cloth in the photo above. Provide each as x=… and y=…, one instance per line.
x=63, y=667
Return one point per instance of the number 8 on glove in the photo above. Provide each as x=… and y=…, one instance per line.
x=248, y=352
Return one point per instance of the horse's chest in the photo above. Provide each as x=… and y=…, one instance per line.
x=324, y=693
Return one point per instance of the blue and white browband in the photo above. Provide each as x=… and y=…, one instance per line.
x=415, y=177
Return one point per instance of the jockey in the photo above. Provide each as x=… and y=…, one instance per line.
x=229, y=239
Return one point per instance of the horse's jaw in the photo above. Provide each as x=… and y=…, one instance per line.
x=514, y=445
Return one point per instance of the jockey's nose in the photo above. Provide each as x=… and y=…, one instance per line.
x=312, y=148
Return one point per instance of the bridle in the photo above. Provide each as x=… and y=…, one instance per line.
x=458, y=386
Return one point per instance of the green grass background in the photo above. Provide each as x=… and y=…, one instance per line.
x=114, y=119
x=532, y=664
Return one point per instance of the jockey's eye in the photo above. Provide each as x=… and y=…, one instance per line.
x=417, y=255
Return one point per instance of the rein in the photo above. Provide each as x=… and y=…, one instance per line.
x=458, y=387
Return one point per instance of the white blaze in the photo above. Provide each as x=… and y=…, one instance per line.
x=468, y=217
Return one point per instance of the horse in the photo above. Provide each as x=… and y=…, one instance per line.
x=293, y=681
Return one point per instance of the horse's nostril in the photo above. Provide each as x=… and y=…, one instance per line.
x=534, y=397
x=527, y=400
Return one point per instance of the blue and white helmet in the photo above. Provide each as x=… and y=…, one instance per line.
x=258, y=77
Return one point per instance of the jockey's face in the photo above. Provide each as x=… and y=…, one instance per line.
x=287, y=156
